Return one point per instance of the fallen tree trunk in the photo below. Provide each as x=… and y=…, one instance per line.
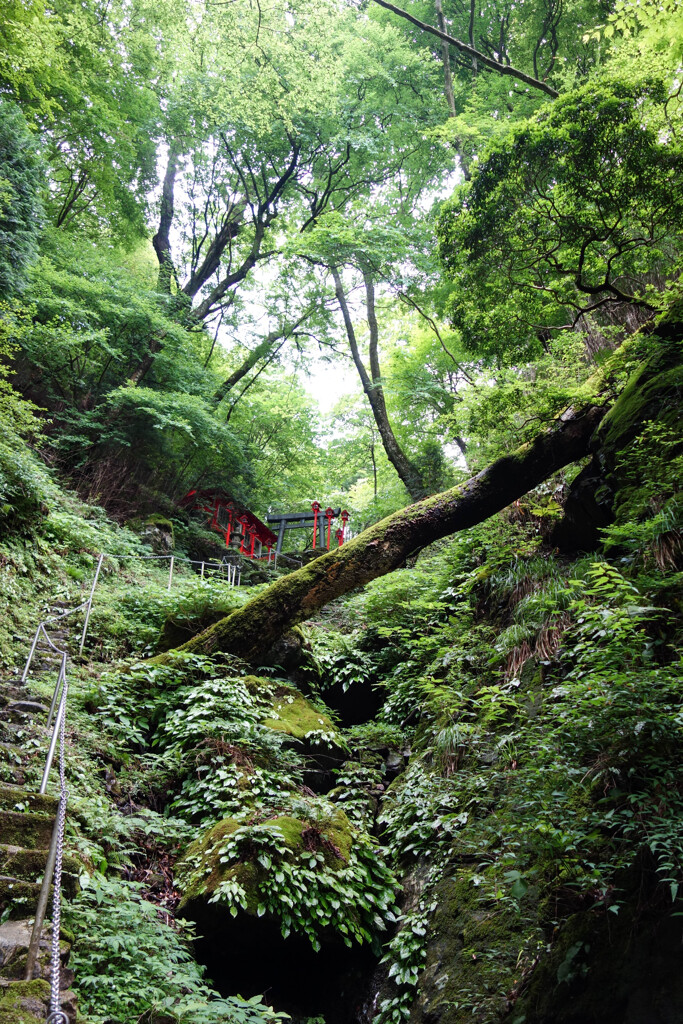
x=386, y=545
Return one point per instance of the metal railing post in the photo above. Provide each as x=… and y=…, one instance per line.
x=53, y=746
x=31, y=653
x=58, y=685
x=89, y=604
x=170, y=572
x=39, y=918
x=202, y=576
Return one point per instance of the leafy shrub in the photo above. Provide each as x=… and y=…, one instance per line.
x=128, y=962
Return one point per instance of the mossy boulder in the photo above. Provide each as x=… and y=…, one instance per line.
x=293, y=714
x=285, y=903
x=24, y=1002
x=155, y=530
x=180, y=627
x=473, y=955
x=204, y=871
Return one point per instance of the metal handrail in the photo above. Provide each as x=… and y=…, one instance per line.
x=53, y=864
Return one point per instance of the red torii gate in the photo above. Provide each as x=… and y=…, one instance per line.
x=304, y=520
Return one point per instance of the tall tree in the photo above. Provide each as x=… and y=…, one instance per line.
x=372, y=382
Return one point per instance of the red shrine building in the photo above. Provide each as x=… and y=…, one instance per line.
x=243, y=531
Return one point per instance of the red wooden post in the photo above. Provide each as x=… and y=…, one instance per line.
x=252, y=531
x=243, y=521
x=329, y=515
x=340, y=536
x=228, y=531
x=316, y=508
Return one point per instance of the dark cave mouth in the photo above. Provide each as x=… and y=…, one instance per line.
x=248, y=956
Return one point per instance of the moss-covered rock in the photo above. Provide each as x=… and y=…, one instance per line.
x=474, y=955
x=24, y=1002
x=316, y=875
x=155, y=530
x=294, y=715
x=204, y=868
x=603, y=968
x=179, y=628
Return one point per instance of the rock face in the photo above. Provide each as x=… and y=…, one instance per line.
x=157, y=531
x=611, y=482
x=601, y=971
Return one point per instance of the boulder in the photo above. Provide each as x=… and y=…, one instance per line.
x=249, y=887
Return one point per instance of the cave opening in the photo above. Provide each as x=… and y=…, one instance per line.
x=249, y=956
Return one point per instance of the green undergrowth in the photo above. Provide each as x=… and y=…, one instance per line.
x=542, y=698
x=129, y=962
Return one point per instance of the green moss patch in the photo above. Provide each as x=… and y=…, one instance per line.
x=24, y=1002
x=294, y=715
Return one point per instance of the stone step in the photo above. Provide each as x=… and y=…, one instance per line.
x=18, y=897
x=15, y=939
x=11, y=715
x=10, y=753
x=12, y=732
x=26, y=1002
x=30, y=707
x=29, y=866
x=40, y=803
x=30, y=830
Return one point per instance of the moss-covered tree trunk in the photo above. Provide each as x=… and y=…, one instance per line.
x=386, y=545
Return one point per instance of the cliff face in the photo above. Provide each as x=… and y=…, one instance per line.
x=455, y=796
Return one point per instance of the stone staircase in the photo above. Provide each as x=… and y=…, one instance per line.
x=26, y=823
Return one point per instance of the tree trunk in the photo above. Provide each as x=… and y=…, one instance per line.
x=385, y=546
x=262, y=350
x=162, y=239
x=408, y=473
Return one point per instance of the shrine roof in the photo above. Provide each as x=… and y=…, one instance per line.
x=205, y=500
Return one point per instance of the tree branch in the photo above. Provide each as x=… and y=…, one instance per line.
x=488, y=62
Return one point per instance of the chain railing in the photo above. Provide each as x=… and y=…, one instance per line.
x=53, y=864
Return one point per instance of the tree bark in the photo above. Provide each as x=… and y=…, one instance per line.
x=385, y=546
x=372, y=386
x=263, y=349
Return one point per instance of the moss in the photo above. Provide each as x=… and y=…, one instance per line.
x=472, y=958
x=603, y=966
x=24, y=1002
x=296, y=716
x=291, y=713
x=10, y=796
x=32, y=831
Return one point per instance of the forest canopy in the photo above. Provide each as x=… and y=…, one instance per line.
x=340, y=491
x=214, y=207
